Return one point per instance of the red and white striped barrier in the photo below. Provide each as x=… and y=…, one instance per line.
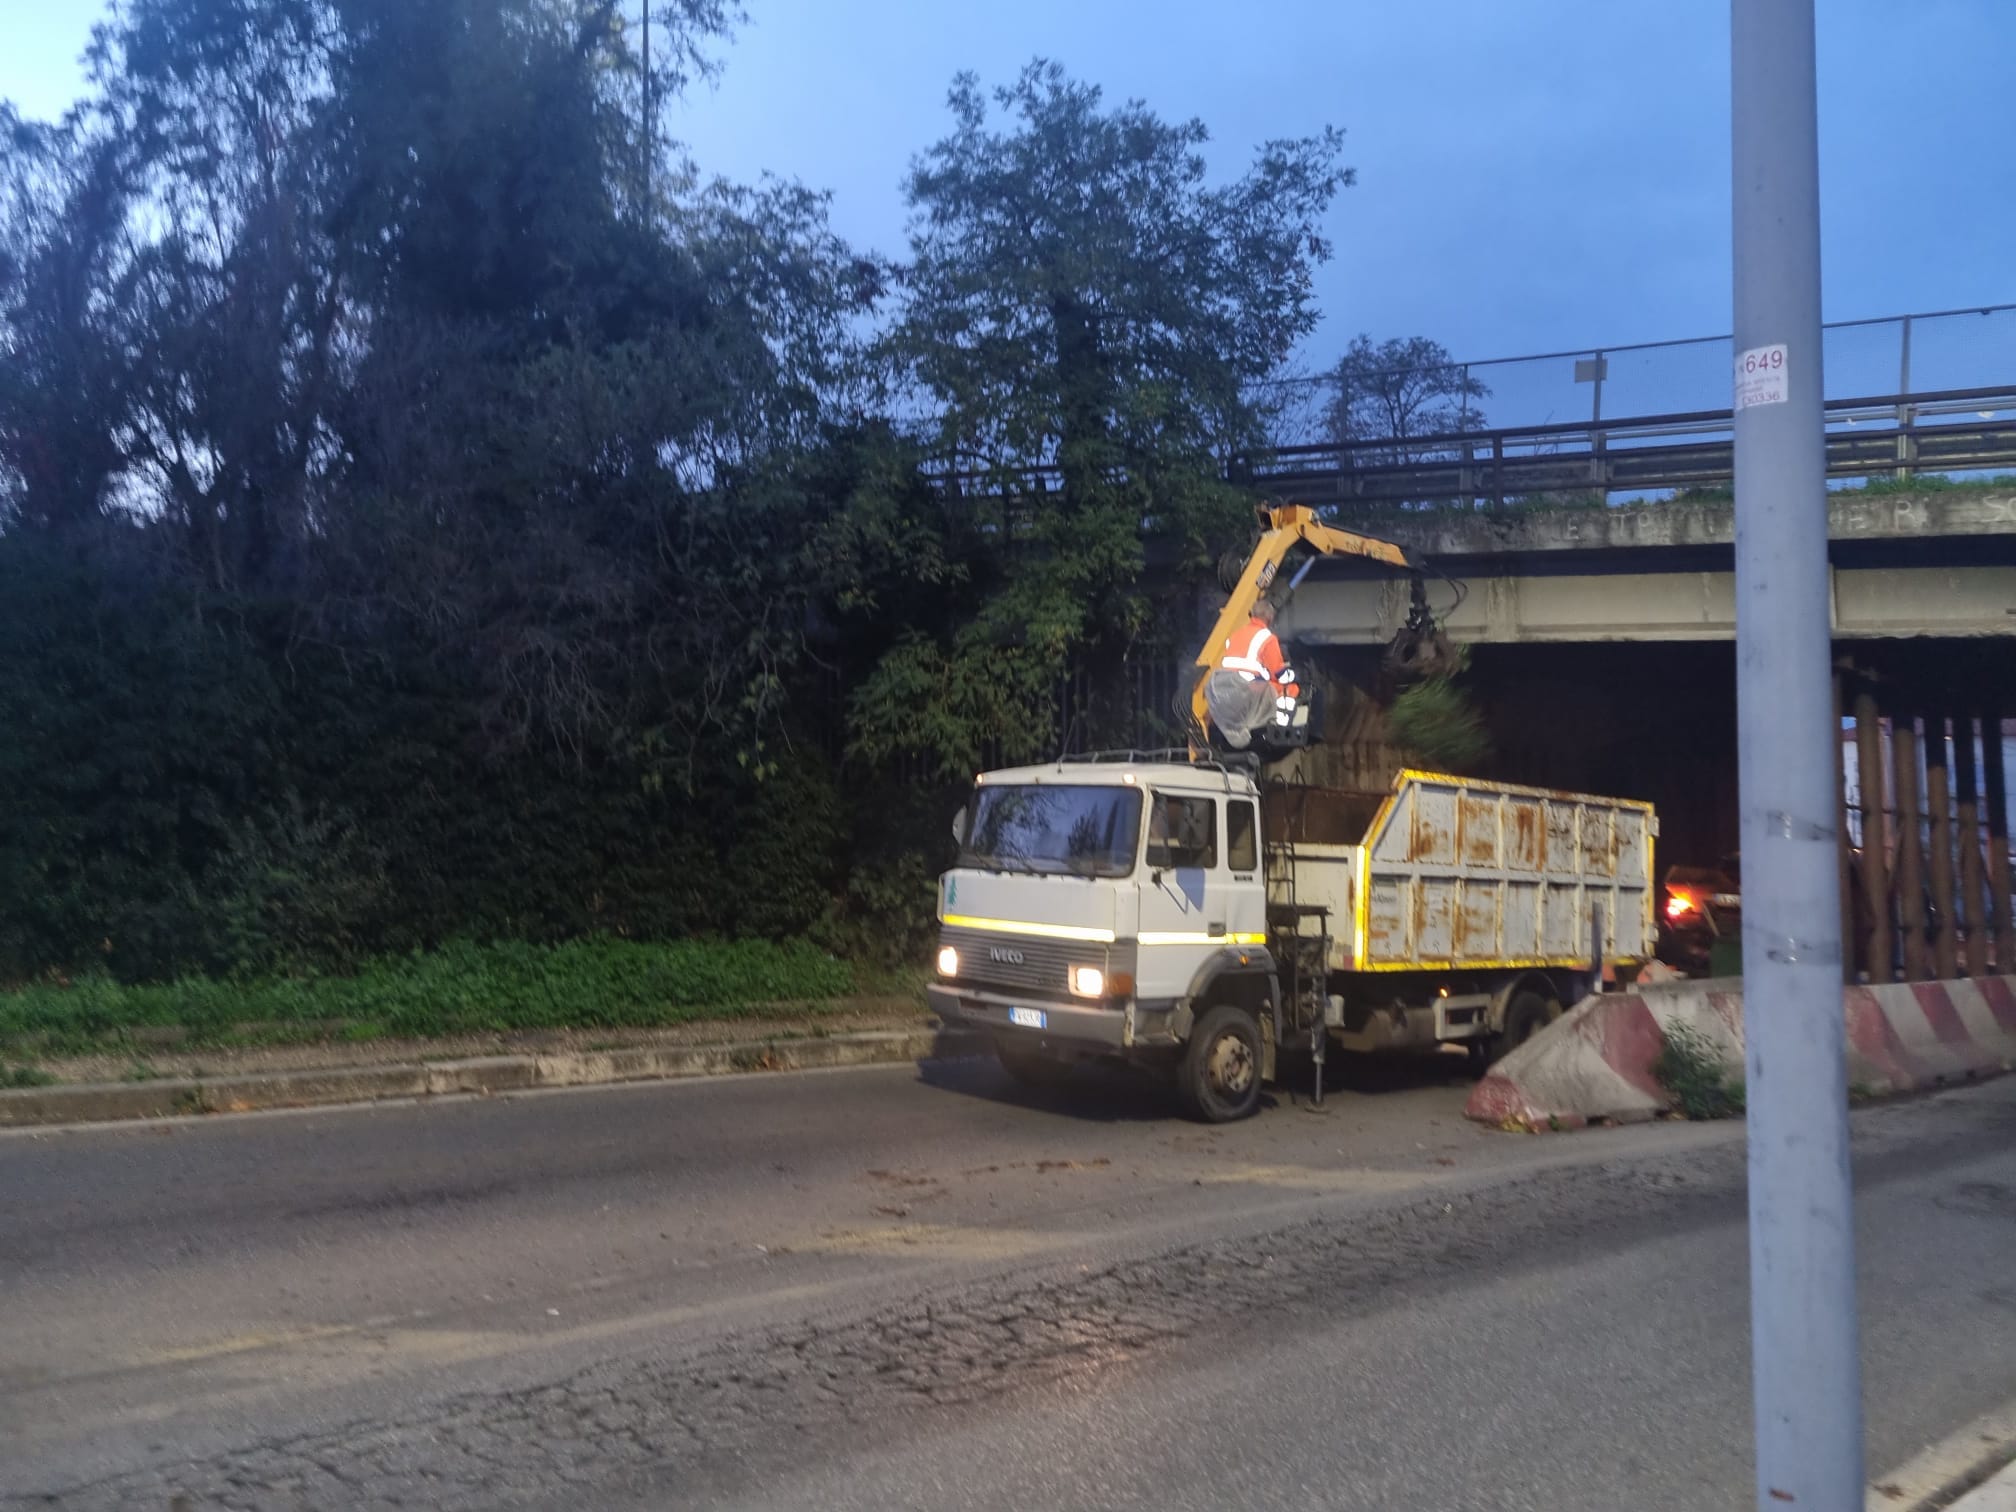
x=1596, y=1062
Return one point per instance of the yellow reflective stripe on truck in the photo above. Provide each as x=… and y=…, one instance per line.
x=1098, y=936
x=1361, y=912
x=1019, y=926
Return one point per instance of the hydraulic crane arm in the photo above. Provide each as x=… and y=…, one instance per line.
x=1282, y=528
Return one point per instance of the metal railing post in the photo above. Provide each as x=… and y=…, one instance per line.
x=1597, y=449
x=1906, y=415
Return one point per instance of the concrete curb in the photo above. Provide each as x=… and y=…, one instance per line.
x=1596, y=1062
x=182, y=1097
x=1970, y=1470
x=1995, y=1495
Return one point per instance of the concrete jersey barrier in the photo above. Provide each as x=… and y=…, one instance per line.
x=1597, y=1061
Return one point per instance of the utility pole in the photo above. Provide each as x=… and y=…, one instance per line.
x=1806, y=1368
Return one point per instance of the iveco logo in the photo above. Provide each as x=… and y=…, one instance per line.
x=1005, y=957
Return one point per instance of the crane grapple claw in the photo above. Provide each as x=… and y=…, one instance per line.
x=1421, y=651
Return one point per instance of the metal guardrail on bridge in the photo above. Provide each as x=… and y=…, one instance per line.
x=1955, y=431
x=1933, y=350
x=1503, y=441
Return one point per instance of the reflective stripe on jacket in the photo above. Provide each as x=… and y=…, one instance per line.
x=1254, y=651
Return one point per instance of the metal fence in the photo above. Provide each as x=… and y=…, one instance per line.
x=1928, y=393
x=1940, y=350
x=1951, y=433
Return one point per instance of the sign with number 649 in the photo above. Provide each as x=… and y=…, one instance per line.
x=1762, y=376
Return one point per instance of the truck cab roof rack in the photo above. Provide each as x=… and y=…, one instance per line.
x=1168, y=756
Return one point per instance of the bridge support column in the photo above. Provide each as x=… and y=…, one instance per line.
x=1879, y=960
x=1997, y=799
x=1842, y=865
x=1967, y=825
x=1939, y=799
x=1910, y=846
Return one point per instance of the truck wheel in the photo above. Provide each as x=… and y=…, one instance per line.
x=1219, y=1077
x=1030, y=1066
x=1526, y=1015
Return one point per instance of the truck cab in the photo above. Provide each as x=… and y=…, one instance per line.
x=1100, y=906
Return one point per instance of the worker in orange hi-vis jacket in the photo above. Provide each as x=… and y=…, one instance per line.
x=1254, y=652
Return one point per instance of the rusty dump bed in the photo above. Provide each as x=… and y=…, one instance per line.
x=1458, y=873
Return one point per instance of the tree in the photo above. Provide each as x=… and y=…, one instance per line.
x=64, y=373
x=394, y=404
x=1400, y=389
x=398, y=338
x=1084, y=316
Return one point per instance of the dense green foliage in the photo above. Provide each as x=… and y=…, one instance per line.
x=1437, y=724
x=460, y=989
x=431, y=509
x=1079, y=300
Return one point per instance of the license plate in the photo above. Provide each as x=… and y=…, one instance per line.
x=1029, y=1018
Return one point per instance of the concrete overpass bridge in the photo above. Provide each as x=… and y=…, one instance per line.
x=1562, y=539
x=1905, y=564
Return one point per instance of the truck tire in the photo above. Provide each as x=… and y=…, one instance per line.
x=1525, y=1016
x=1030, y=1066
x=1219, y=1076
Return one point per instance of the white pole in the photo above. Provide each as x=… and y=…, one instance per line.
x=1804, y=1353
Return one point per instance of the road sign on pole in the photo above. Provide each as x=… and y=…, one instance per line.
x=1805, y=1360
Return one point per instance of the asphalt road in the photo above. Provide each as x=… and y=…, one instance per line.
x=905, y=1287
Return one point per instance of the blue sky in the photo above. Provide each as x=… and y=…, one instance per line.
x=1533, y=174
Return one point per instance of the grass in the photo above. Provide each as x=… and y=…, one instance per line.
x=1923, y=483
x=1691, y=1071
x=13, y=1078
x=460, y=989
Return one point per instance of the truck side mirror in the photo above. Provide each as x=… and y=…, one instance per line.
x=959, y=827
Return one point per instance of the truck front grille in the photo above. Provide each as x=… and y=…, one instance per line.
x=1028, y=963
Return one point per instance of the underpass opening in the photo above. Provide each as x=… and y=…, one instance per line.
x=1650, y=720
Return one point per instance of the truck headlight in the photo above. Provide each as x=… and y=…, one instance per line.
x=1088, y=981
x=948, y=961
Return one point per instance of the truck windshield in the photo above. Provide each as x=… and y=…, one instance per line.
x=1080, y=831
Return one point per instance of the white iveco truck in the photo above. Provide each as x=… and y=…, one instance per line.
x=1180, y=911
